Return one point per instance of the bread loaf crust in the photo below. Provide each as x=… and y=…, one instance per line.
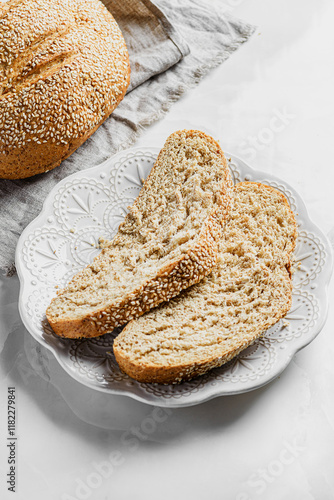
x=64, y=68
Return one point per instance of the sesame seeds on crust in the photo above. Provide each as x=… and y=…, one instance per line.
x=64, y=67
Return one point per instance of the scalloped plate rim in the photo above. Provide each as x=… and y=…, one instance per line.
x=213, y=391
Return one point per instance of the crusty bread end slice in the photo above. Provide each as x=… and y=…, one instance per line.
x=248, y=291
x=167, y=242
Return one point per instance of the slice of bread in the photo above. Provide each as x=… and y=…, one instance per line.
x=167, y=242
x=247, y=292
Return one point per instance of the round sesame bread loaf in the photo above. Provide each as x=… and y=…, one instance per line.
x=167, y=242
x=64, y=68
x=247, y=292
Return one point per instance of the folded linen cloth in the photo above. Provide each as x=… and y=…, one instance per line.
x=171, y=44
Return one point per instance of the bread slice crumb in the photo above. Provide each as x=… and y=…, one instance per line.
x=167, y=242
x=249, y=290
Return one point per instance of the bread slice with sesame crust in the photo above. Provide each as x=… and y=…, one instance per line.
x=167, y=242
x=247, y=292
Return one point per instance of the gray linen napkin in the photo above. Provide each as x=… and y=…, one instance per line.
x=158, y=36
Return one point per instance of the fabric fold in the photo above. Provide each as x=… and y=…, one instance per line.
x=172, y=45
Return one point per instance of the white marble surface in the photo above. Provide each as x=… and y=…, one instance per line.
x=272, y=104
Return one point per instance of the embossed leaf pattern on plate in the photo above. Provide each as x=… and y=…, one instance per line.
x=65, y=237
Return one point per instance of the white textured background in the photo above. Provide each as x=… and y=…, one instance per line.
x=272, y=104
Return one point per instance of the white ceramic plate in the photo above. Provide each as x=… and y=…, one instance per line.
x=64, y=238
